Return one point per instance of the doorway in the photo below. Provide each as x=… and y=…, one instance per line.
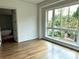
x=8, y=26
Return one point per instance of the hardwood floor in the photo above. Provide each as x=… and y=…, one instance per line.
x=36, y=49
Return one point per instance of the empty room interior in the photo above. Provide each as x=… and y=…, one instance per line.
x=39, y=29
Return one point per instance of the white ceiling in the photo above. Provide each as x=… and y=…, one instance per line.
x=33, y=1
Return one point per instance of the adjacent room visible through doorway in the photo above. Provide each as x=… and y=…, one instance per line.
x=7, y=25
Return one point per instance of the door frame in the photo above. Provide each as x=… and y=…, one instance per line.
x=14, y=23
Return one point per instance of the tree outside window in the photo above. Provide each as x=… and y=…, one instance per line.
x=64, y=22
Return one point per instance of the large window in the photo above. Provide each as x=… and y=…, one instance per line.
x=62, y=23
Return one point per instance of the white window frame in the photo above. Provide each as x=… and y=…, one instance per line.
x=66, y=5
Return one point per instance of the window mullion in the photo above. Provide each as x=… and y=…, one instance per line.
x=68, y=16
x=46, y=23
x=60, y=19
x=53, y=22
x=47, y=19
x=78, y=29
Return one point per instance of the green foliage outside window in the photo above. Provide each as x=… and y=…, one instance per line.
x=67, y=24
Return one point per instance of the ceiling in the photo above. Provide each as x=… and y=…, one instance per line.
x=34, y=1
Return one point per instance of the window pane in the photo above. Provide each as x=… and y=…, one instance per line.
x=73, y=17
x=74, y=10
x=49, y=32
x=62, y=33
x=57, y=20
x=63, y=23
x=57, y=33
x=68, y=35
x=50, y=13
x=64, y=17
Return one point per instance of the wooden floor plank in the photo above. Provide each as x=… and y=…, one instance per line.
x=36, y=49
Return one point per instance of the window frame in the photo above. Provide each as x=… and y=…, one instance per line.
x=53, y=9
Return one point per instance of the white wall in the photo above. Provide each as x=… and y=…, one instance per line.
x=26, y=18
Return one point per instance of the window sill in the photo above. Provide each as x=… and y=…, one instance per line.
x=67, y=43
